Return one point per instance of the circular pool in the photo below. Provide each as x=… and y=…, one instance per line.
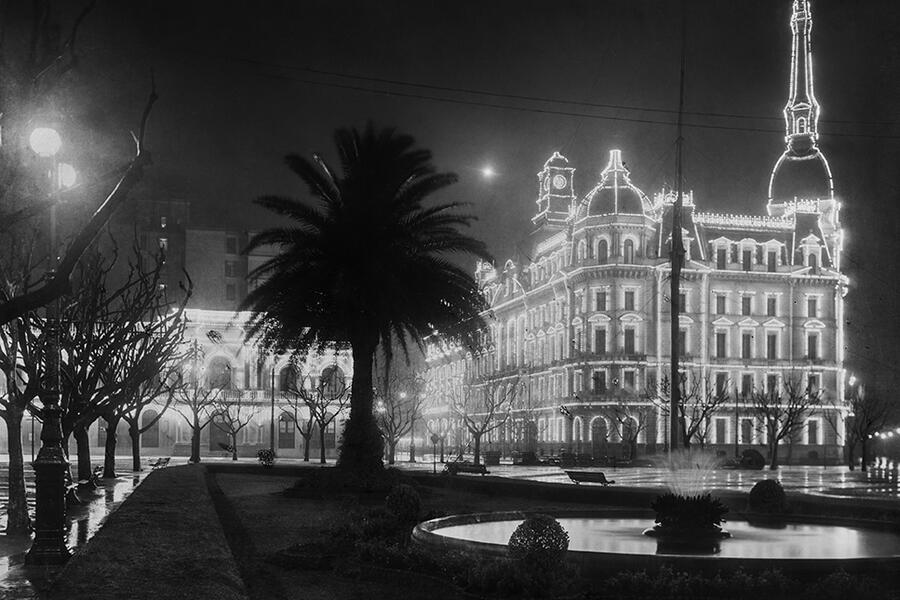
x=614, y=540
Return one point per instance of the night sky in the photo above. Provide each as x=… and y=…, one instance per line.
x=505, y=83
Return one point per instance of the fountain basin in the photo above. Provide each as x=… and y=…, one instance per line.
x=612, y=540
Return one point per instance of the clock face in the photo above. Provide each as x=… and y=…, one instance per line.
x=559, y=182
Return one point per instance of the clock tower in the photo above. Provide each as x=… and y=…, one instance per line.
x=556, y=192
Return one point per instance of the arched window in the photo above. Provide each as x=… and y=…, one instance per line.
x=333, y=382
x=602, y=252
x=582, y=250
x=801, y=125
x=287, y=379
x=812, y=261
x=218, y=374
x=628, y=251
x=285, y=431
x=150, y=437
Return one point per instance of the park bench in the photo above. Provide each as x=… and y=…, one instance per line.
x=455, y=468
x=589, y=477
x=159, y=463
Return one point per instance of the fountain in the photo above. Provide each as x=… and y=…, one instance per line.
x=605, y=541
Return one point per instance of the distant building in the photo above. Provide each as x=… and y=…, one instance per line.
x=214, y=261
x=583, y=319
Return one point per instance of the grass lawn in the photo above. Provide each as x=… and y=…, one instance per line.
x=263, y=521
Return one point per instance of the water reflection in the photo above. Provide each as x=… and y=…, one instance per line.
x=623, y=536
x=82, y=523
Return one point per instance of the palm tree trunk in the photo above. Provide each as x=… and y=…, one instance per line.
x=361, y=444
x=109, y=451
x=17, y=506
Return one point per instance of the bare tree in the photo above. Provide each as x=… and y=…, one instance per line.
x=870, y=412
x=783, y=411
x=21, y=387
x=701, y=397
x=484, y=404
x=297, y=401
x=399, y=400
x=33, y=70
x=630, y=421
x=196, y=405
x=231, y=416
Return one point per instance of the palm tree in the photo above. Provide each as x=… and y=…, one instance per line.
x=369, y=263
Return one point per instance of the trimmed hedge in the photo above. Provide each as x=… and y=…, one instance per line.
x=164, y=541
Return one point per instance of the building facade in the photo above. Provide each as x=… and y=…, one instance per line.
x=582, y=322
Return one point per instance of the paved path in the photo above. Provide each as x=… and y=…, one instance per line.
x=831, y=481
x=83, y=522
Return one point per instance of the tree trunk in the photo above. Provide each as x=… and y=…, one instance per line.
x=773, y=452
x=135, y=434
x=322, y=444
x=477, y=439
x=850, y=462
x=865, y=455
x=233, y=446
x=442, y=449
x=109, y=449
x=392, y=449
x=361, y=443
x=18, y=521
x=306, y=442
x=83, y=444
x=195, y=440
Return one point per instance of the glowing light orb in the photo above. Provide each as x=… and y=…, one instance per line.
x=45, y=141
x=488, y=172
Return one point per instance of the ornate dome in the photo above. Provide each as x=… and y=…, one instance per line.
x=556, y=160
x=615, y=194
x=800, y=176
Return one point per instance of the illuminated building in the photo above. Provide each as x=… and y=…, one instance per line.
x=582, y=321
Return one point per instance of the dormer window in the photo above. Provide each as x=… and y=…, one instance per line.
x=812, y=261
x=721, y=257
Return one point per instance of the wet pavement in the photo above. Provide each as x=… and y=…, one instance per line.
x=18, y=581
x=834, y=481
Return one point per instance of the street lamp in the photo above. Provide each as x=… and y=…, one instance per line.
x=50, y=467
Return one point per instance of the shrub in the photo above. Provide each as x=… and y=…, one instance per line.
x=266, y=457
x=701, y=512
x=767, y=496
x=404, y=503
x=540, y=542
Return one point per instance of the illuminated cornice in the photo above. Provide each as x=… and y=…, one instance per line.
x=744, y=222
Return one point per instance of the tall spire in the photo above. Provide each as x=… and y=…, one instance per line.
x=802, y=172
x=801, y=113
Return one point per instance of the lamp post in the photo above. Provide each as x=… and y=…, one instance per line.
x=49, y=546
x=272, y=416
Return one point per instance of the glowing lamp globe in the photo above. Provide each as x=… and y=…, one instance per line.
x=67, y=175
x=45, y=141
x=488, y=172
